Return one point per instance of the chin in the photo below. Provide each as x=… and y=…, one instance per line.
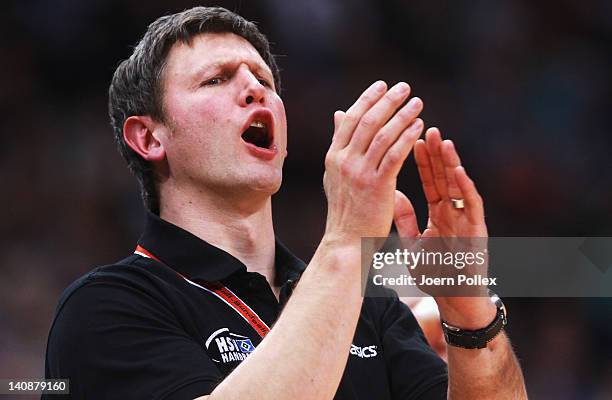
x=268, y=185
x=265, y=180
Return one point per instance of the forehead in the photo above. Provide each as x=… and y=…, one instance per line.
x=212, y=49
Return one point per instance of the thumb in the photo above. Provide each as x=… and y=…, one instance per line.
x=404, y=216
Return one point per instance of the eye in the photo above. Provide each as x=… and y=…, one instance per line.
x=217, y=80
x=264, y=82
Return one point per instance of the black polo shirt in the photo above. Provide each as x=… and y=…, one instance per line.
x=137, y=329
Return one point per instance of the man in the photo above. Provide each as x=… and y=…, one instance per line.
x=196, y=311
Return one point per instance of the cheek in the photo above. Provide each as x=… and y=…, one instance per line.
x=196, y=142
x=190, y=108
x=279, y=111
x=199, y=115
x=197, y=121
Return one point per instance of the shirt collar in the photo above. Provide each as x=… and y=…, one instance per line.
x=196, y=259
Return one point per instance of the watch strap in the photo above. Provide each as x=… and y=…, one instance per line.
x=477, y=339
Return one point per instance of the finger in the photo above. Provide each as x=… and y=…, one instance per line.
x=404, y=216
x=451, y=160
x=353, y=115
x=389, y=133
x=338, y=118
x=427, y=180
x=431, y=232
x=434, y=141
x=394, y=158
x=377, y=116
x=474, y=208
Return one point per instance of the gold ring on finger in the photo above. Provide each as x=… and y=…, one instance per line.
x=457, y=203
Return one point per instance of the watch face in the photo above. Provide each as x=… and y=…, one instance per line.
x=498, y=302
x=450, y=327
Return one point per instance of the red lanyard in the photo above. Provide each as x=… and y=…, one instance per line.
x=224, y=294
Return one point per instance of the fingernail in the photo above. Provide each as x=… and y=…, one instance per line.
x=379, y=86
x=402, y=87
x=414, y=103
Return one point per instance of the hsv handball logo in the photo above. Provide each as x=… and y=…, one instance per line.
x=226, y=347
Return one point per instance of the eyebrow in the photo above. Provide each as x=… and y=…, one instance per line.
x=254, y=65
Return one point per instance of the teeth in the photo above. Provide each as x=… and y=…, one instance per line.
x=258, y=124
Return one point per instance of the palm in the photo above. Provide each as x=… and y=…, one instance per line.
x=443, y=179
x=445, y=221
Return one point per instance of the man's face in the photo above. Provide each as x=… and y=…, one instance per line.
x=226, y=128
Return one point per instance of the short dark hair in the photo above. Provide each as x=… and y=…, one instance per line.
x=136, y=87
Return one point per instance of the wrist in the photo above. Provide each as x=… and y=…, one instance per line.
x=340, y=241
x=477, y=338
x=339, y=252
x=467, y=312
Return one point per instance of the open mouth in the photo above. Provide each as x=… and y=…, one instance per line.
x=258, y=134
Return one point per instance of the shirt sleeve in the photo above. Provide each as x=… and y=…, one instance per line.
x=416, y=371
x=116, y=339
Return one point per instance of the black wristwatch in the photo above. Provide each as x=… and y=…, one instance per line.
x=477, y=339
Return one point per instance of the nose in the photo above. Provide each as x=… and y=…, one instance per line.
x=252, y=91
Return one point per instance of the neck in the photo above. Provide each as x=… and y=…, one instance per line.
x=241, y=227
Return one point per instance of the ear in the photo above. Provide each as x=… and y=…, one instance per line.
x=139, y=133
